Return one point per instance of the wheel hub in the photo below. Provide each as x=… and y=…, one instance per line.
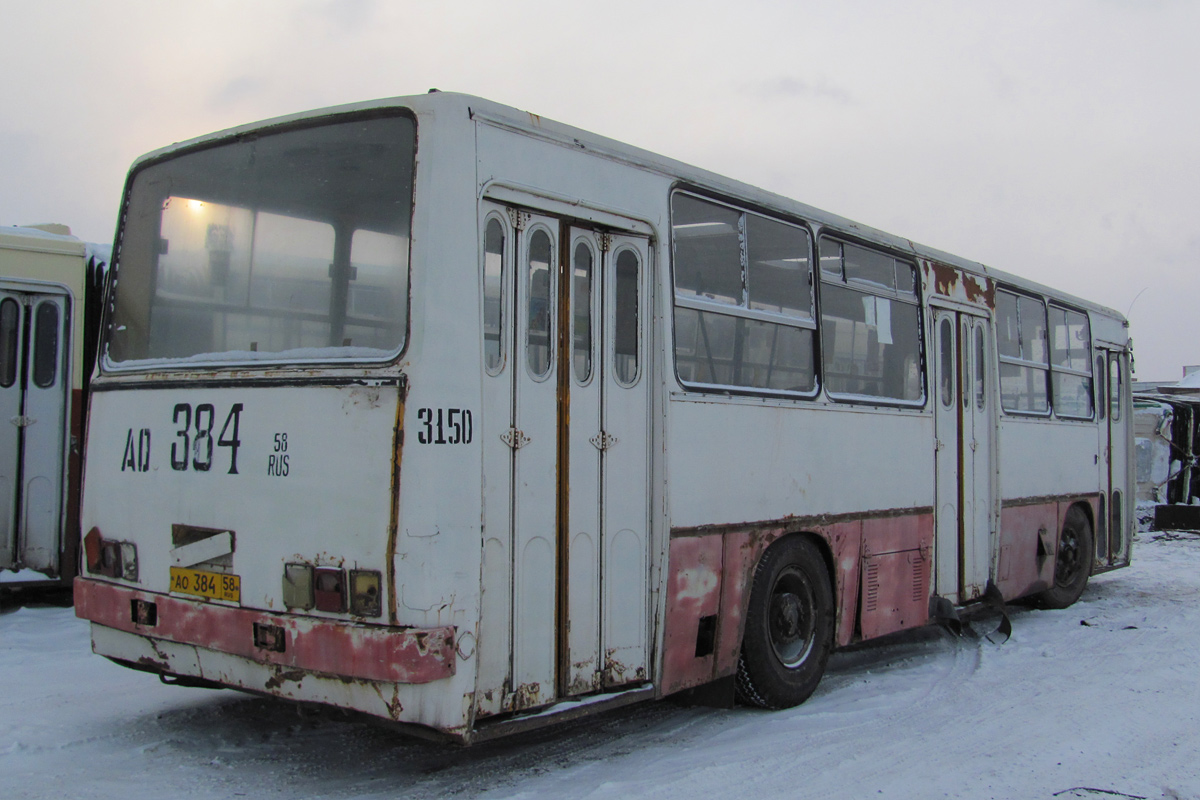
x=790, y=619
x=785, y=613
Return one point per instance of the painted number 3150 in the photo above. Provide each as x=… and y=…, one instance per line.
x=445, y=426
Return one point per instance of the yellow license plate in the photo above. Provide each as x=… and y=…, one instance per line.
x=213, y=585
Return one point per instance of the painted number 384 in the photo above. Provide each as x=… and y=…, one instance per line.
x=194, y=443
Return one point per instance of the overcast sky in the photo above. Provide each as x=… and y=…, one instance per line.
x=1056, y=140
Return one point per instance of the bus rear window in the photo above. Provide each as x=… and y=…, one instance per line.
x=289, y=246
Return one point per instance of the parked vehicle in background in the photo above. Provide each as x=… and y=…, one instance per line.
x=454, y=415
x=49, y=319
x=1167, y=435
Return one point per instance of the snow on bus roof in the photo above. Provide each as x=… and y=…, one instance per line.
x=51, y=230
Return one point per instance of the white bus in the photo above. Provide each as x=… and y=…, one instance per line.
x=48, y=323
x=450, y=414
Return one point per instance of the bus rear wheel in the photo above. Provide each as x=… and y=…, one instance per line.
x=789, y=626
x=1072, y=561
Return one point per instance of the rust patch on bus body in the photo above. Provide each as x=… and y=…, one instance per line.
x=394, y=511
x=527, y=695
x=282, y=676
x=583, y=683
x=314, y=645
x=617, y=673
x=958, y=284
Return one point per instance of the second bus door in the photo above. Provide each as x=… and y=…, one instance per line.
x=963, y=422
x=605, y=542
x=1111, y=538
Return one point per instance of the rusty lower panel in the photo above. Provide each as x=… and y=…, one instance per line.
x=693, y=594
x=741, y=554
x=845, y=540
x=375, y=653
x=1028, y=537
x=711, y=573
x=1029, y=530
x=897, y=563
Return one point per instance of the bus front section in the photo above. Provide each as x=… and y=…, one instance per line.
x=246, y=427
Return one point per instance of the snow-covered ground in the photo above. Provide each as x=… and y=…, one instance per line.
x=1100, y=700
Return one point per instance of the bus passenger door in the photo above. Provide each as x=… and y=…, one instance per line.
x=582, y=384
x=518, y=609
x=976, y=480
x=34, y=387
x=500, y=362
x=604, y=626
x=624, y=442
x=1114, y=548
x=962, y=423
x=533, y=439
x=12, y=346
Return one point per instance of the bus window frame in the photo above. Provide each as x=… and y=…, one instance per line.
x=1043, y=366
x=915, y=299
x=1051, y=306
x=107, y=365
x=743, y=311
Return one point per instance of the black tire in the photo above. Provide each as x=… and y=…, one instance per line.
x=789, y=626
x=1072, y=561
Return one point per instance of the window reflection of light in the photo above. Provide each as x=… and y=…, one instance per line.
x=195, y=205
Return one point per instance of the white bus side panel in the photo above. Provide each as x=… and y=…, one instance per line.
x=744, y=461
x=1024, y=474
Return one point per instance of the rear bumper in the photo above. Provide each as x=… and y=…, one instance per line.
x=325, y=647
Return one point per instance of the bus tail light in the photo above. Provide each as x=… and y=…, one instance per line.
x=110, y=558
x=365, y=597
x=329, y=589
x=129, y=561
x=298, y=586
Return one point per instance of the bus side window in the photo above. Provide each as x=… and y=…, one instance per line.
x=1024, y=360
x=870, y=324
x=1070, y=345
x=45, y=354
x=494, y=269
x=625, y=334
x=1100, y=386
x=980, y=370
x=743, y=298
x=581, y=311
x=539, y=342
x=10, y=318
x=946, y=356
x=1114, y=386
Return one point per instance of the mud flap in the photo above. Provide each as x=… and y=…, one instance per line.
x=947, y=616
x=995, y=601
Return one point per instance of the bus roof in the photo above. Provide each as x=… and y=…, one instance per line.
x=485, y=111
